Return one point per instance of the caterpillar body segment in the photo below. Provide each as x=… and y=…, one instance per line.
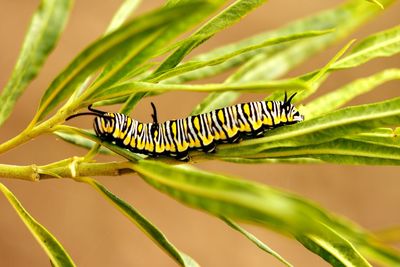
x=203, y=132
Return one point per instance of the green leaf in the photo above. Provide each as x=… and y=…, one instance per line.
x=315, y=79
x=224, y=19
x=284, y=160
x=123, y=67
x=227, y=17
x=47, y=241
x=381, y=254
x=45, y=28
x=376, y=2
x=381, y=44
x=144, y=224
x=341, y=96
x=251, y=202
x=68, y=130
x=127, y=38
x=255, y=87
x=195, y=65
x=380, y=136
x=124, y=11
x=379, y=154
x=326, y=128
x=270, y=63
x=255, y=240
x=118, y=19
x=334, y=248
x=81, y=142
x=388, y=235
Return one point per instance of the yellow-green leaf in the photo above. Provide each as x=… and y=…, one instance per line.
x=54, y=250
x=45, y=28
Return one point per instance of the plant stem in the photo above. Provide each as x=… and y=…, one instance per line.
x=64, y=169
x=32, y=131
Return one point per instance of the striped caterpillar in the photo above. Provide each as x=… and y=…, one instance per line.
x=176, y=138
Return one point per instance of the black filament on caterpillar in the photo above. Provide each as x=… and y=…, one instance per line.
x=176, y=138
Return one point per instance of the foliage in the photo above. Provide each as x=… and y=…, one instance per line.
x=124, y=65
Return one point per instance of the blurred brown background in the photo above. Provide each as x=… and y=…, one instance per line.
x=96, y=234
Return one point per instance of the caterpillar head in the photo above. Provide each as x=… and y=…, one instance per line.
x=103, y=123
x=292, y=114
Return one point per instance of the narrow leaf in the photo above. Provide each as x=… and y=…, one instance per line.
x=248, y=201
x=347, y=147
x=124, y=39
x=381, y=44
x=389, y=235
x=63, y=129
x=380, y=136
x=277, y=60
x=255, y=87
x=341, y=96
x=376, y=2
x=81, y=142
x=255, y=240
x=381, y=254
x=45, y=28
x=330, y=246
x=122, y=67
x=195, y=65
x=226, y=18
x=316, y=79
x=54, y=250
x=124, y=11
x=144, y=224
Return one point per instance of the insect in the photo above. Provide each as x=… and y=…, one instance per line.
x=202, y=132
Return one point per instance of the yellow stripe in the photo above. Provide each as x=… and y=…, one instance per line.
x=127, y=140
x=116, y=132
x=221, y=116
x=173, y=128
x=159, y=148
x=246, y=109
x=196, y=123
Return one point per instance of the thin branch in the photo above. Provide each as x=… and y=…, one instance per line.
x=71, y=168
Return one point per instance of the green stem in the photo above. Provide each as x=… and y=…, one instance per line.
x=34, y=130
x=30, y=133
x=65, y=169
x=27, y=173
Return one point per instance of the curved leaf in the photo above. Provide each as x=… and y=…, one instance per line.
x=81, y=142
x=145, y=225
x=334, y=248
x=127, y=38
x=255, y=87
x=341, y=96
x=122, y=67
x=45, y=28
x=379, y=154
x=124, y=11
x=227, y=17
x=381, y=44
x=219, y=59
x=58, y=256
x=276, y=61
x=376, y=2
x=251, y=202
x=255, y=240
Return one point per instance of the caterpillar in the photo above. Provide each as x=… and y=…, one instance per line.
x=176, y=138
